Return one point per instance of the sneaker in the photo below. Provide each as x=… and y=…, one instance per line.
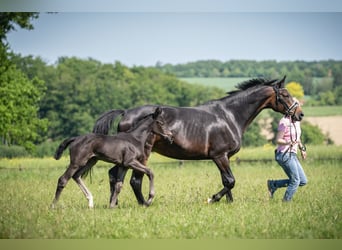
x=271, y=188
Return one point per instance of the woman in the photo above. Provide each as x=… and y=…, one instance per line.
x=288, y=141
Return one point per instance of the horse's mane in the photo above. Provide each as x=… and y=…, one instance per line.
x=252, y=83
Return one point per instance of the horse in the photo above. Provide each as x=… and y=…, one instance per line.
x=212, y=130
x=127, y=149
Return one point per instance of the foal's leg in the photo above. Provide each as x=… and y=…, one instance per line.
x=137, y=176
x=136, y=165
x=112, y=173
x=85, y=191
x=120, y=172
x=77, y=178
x=63, y=180
x=228, y=180
x=136, y=184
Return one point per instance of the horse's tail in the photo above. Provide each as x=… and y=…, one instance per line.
x=62, y=147
x=104, y=122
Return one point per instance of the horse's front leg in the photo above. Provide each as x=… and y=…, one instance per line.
x=114, y=196
x=140, y=168
x=116, y=178
x=151, y=192
x=136, y=184
x=112, y=173
x=228, y=180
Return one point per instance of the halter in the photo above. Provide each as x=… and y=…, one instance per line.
x=290, y=109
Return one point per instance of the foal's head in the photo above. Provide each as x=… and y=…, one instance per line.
x=285, y=103
x=159, y=125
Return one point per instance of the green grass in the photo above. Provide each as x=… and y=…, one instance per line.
x=322, y=110
x=179, y=210
x=227, y=84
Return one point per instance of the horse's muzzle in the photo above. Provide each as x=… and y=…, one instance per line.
x=298, y=117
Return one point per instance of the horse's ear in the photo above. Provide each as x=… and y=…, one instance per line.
x=157, y=112
x=281, y=83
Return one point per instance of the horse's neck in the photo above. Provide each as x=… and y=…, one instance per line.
x=141, y=133
x=246, y=106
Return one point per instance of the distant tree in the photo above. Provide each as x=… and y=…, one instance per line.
x=338, y=95
x=337, y=75
x=20, y=97
x=327, y=98
x=19, y=105
x=252, y=137
x=8, y=22
x=295, y=89
x=312, y=134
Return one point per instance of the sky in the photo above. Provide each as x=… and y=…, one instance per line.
x=145, y=38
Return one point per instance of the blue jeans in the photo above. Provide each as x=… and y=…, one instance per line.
x=293, y=169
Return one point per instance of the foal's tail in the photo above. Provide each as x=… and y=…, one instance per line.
x=104, y=122
x=62, y=147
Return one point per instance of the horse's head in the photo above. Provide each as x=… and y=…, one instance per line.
x=159, y=125
x=285, y=103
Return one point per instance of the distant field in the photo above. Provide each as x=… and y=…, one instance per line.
x=226, y=84
x=322, y=111
x=229, y=83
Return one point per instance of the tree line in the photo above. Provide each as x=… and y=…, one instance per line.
x=42, y=104
x=321, y=80
x=79, y=90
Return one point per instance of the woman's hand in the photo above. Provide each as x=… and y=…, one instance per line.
x=303, y=153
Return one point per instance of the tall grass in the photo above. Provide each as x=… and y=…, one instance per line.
x=179, y=210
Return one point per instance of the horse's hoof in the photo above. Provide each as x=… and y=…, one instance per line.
x=147, y=203
x=210, y=200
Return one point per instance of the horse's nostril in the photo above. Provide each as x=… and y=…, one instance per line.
x=302, y=114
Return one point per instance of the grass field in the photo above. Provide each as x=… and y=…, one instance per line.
x=225, y=83
x=322, y=111
x=179, y=210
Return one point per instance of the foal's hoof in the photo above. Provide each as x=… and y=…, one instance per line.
x=210, y=201
x=147, y=203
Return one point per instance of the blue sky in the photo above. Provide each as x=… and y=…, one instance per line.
x=144, y=38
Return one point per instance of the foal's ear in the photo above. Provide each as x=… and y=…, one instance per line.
x=281, y=83
x=157, y=112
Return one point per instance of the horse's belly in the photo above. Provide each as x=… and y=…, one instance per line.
x=181, y=152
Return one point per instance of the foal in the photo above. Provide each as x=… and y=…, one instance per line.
x=125, y=149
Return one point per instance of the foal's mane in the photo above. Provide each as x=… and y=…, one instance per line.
x=251, y=83
x=139, y=122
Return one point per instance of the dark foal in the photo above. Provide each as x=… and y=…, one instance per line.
x=125, y=149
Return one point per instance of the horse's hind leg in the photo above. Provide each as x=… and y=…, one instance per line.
x=77, y=178
x=85, y=191
x=62, y=181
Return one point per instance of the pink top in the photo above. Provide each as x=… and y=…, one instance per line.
x=292, y=133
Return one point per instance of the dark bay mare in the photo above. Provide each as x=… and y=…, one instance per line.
x=210, y=131
x=127, y=149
